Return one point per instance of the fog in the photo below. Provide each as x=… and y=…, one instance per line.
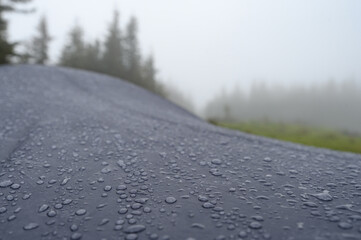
x=329, y=105
x=204, y=46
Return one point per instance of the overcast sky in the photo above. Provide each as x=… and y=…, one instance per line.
x=202, y=46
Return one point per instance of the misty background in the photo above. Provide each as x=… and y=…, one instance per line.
x=281, y=61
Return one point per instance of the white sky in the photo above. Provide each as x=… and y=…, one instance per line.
x=202, y=46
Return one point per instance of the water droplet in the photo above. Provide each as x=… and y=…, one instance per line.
x=121, y=187
x=215, y=172
x=46, y=165
x=58, y=206
x=216, y=161
x=120, y=222
x=121, y=163
x=43, y=208
x=262, y=197
x=103, y=221
x=136, y=206
x=207, y=205
x=324, y=196
x=51, y=213
x=147, y=210
x=74, y=227
x=231, y=227
x=258, y=218
x=65, y=181
x=27, y=196
x=31, y=226
x=135, y=229
x=122, y=210
x=202, y=198
x=76, y=236
x=198, y=225
x=15, y=186
x=9, y=197
x=67, y=201
x=52, y=181
x=310, y=204
x=255, y=225
x=170, y=200
x=118, y=227
x=242, y=234
x=141, y=200
x=153, y=236
x=5, y=183
x=3, y=210
x=344, y=225
x=131, y=236
x=80, y=212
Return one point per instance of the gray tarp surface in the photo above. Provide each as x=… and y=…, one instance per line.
x=86, y=156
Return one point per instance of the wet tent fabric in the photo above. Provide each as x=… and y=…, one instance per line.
x=86, y=156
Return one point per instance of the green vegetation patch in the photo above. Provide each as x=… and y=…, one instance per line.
x=313, y=136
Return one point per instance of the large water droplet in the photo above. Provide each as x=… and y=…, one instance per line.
x=135, y=229
x=207, y=205
x=216, y=161
x=255, y=225
x=198, y=225
x=76, y=236
x=122, y=210
x=344, y=225
x=202, y=198
x=67, y=201
x=324, y=196
x=65, y=181
x=43, y=208
x=5, y=183
x=310, y=204
x=3, y=210
x=15, y=186
x=31, y=226
x=131, y=236
x=170, y=200
x=74, y=227
x=51, y=213
x=80, y=212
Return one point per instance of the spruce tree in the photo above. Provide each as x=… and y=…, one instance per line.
x=149, y=74
x=113, y=49
x=73, y=53
x=7, y=48
x=132, y=57
x=40, y=43
x=93, y=54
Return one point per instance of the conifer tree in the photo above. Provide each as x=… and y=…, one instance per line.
x=73, y=53
x=7, y=48
x=93, y=54
x=132, y=57
x=40, y=43
x=113, y=49
x=149, y=74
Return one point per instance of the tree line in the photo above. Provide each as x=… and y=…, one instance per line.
x=7, y=48
x=331, y=104
x=118, y=54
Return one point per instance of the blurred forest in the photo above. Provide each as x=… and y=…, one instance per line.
x=332, y=104
x=117, y=54
x=335, y=105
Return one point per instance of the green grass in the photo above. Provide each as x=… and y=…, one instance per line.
x=307, y=135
